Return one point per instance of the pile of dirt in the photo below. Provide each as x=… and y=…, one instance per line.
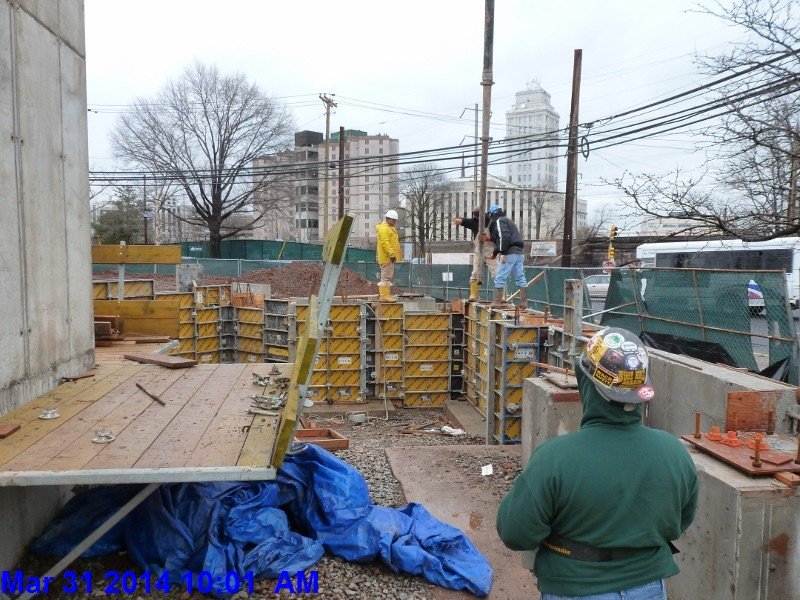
x=300, y=279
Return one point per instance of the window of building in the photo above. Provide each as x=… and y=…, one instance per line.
x=366, y=150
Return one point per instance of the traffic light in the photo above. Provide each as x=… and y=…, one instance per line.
x=613, y=234
x=611, y=252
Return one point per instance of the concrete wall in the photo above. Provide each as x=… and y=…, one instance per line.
x=45, y=260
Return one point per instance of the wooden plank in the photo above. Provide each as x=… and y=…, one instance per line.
x=176, y=444
x=82, y=450
x=156, y=421
x=57, y=440
x=162, y=360
x=257, y=449
x=6, y=429
x=33, y=428
x=749, y=411
x=790, y=479
x=136, y=254
x=138, y=309
x=221, y=442
x=324, y=438
x=740, y=457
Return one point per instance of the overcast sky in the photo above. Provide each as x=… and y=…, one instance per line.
x=411, y=56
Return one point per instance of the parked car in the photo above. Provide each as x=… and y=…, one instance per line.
x=597, y=286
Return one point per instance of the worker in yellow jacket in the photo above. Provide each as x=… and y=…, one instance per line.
x=388, y=252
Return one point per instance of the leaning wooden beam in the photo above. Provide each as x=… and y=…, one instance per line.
x=170, y=362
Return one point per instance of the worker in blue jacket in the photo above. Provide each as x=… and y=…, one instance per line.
x=509, y=246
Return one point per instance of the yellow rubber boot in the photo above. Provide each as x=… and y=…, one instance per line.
x=473, y=290
x=385, y=296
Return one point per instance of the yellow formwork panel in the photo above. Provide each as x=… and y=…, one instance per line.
x=344, y=378
x=391, y=327
x=278, y=351
x=250, y=330
x=186, y=345
x=427, y=384
x=343, y=346
x=248, y=357
x=513, y=428
x=319, y=378
x=185, y=299
x=344, y=362
x=436, y=337
x=428, y=322
x=344, y=329
x=345, y=312
x=515, y=374
x=427, y=369
x=208, y=358
x=520, y=335
x=189, y=355
x=100, y=290
x=207, y=315
x=186, y=330
x=186, y=315
x=207, y=295
x=522, y=353
x=392, y=343
x=208, y=344
x=425, y=399
x=388, y=310
x=427, y=353
x=250, y=315
x=251, y=345
x=134, y=288
x=207, y=329
x=512, y=396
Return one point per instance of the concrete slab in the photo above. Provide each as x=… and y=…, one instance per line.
x=464, y=415
x=447, y=481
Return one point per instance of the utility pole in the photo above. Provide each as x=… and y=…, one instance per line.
x=341, y=172
x=572, y=163
x=486, y=82
x=328, y=103
x=144, y=206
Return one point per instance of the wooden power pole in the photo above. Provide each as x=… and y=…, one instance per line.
x=341, y=172
x=328, y=103
x=486, y=82
x=572, y=163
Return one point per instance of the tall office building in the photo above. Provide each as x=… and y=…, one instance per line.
x=532, y=128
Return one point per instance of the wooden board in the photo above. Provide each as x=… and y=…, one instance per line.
x=324, y=438
x=197, y=436
x=136, y=254
x=7, y=429
x=145, y=317
x=162, y=360
x=749, y=411
x=740, y=457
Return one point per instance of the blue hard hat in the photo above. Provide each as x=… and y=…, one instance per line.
x=494, y=208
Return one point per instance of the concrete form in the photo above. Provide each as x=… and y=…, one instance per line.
x=46, y=326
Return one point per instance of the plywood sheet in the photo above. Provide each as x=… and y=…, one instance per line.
x=749, y=411
x=741, y=456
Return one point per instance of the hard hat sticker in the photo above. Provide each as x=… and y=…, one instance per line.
x=629, y=347
x=646, y=393
x=632, y=362
x=631, y=379
x=613, y=340
x=597, y=351
x=603, y=376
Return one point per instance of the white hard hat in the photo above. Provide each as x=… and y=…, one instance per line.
x=391, y=214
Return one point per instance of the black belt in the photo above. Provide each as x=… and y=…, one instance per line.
x=580, y=551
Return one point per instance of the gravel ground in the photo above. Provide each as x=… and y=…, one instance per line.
x=337, y=579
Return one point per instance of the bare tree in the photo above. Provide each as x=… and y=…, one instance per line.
x=754, y=147
x=424, y=187
x=203, y=132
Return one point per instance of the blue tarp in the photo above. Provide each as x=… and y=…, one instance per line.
x=317, y=504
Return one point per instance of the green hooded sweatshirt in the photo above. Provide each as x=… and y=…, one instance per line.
x=613, y=484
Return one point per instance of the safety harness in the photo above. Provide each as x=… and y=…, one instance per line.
x=580, y=551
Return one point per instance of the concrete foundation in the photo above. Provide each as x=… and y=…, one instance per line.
x=743, y=544
x=45, y=259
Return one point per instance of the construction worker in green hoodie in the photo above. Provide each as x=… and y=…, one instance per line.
x=603, y=505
